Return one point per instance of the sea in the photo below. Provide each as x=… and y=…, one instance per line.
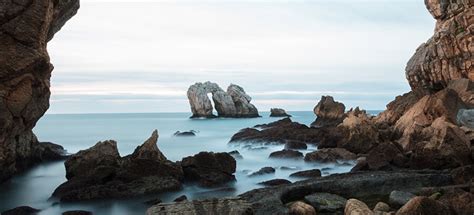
x=77, y=132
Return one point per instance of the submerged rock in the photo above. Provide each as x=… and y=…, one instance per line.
x=278, y=112
x=286, y=154
x=263, y=171
x=77, y=212
x=314, y=173
x=190, y=133
x=275, y=182
x=181, y=198
x=293, y=144
x=209, y=169
x=233, y=103
x=328, y=112
x=22, y=210
x=99, y=172
x=236, y=154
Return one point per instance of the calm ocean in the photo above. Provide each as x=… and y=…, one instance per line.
x=81, y=131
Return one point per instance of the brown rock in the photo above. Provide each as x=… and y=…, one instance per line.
x=424, y=205
x=381, y=207
x=25, y=72
x=328, y=112
x=301, y=208
x=329, y=155
x=458, y=200
x=397, y=108
x=356, y=207
x=313, y=173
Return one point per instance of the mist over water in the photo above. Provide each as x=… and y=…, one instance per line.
x=80, y=131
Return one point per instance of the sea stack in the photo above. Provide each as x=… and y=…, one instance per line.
x=234, y=103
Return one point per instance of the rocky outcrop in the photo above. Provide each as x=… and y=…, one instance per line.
x=233, y=103
x=328, y=112
x=278, y=112
x=231, y=206
x=209, y=169
x=99, y=172
x=25, y=70
x=329, y=155
x=448, y=55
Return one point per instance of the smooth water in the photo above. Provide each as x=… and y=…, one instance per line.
x=81, y=131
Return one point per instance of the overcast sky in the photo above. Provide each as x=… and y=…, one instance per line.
x=141, y=56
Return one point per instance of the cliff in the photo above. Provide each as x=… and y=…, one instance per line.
x=25, y=70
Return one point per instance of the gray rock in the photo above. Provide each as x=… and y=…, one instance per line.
x=465, y=117
x=399, y=198
x=326, y=202
x=242, y=102
x=201, y=105
x=190, y=133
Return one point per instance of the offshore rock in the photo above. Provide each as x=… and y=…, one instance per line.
x=278, y=112
x=328, y=112
x=242, y=102
x=99, y=172
x=25, y=71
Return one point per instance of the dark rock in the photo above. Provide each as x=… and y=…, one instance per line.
x=209, y=169
x=293, y=144
x=100, y=172
x=190, y=133
x=314, y=173
x=458, y=200
x=278, y=112
x=236, y=154
x=329, y=155
x=463, y=175
x=290, y=168
x=153, y=201
x=46, y=151
x=275, y=182
x=399, y=198
x=286, y=154
x=204, y=207
x=25, y=72
x=22, y=210
x=181, y=198
x=326, y=202
x=328, y=112
x=263, y=171
x=424, y=205
x=78, y=212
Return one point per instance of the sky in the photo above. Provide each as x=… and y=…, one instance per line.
x=141, y=56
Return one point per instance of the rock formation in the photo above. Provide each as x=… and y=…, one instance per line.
x=99, y=172
x=328, y=112
x=25, y=70
x=209, y=169
x=233, y=103
x=448, y=55
x=278, y=112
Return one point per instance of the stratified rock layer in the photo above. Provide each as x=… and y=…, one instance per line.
x=25, y=70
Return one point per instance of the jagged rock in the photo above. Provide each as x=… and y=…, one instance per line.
x=447, y=55
x=77, y=212
x=278, y=112
x=301, y=208
x=329, y=155
x=99, y=172
x=397, y=108
x=286, y=154
x=22, y=210
x=242, y=102
x=424, y=205
x=231, y=206
x=25, y=72
x=399, y=198
x=326, y=202
x=313, y=173
x=465, y=117
x=381, y=207
x=263, y=171
x=293, y=144
x=361, y=134
x=356, y=207
x=328, y=112
x=275, y=182
x=209, y=169
x=233, y=103
x=190, y=133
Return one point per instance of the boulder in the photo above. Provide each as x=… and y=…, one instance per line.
x=424, y=205
x=278, y=112
x=286, y=154
x=301, y=208
x=99, y=172
x=275, y=182
x=356, y=207
x=25, y=72
x=399, y=198
x=22, y=210
x=328, y=112
x=381, y=207
x=326, y=202
x=231, y=206
x=329, y=155
x=293, y=144
x=209, y=169
x=263, y=171
x=313, y=173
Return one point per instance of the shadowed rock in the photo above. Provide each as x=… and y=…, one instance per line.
x=286, y=154
x=209, y=169
x=314, y=173
x=329, y=155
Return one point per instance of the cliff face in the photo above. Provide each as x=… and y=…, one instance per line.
x=448, y=55
x=25, y=70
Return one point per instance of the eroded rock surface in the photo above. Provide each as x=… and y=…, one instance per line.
x=25, y=71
